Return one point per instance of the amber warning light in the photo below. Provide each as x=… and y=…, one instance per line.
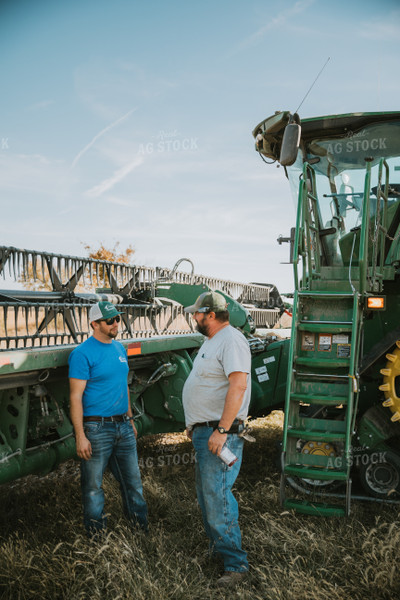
x=134, y=348
x=376, y=302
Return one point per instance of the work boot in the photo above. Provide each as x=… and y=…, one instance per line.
x=231, y=578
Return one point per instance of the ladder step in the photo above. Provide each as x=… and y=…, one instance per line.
x=325, y=327
x=326, y=363
x=325, y=294
x=314, y=508
x=321, y=399
x=307, y=472
x=317, y=435
x=323, y=377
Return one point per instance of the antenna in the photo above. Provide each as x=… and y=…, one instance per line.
x=313, y=83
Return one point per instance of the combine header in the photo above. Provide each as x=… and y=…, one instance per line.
x=40, y=327
x=342, y=408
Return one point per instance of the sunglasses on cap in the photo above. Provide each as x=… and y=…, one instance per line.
x=111, y=320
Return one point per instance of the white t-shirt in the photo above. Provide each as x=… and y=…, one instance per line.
x=206, y=387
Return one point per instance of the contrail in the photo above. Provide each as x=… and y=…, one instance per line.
x=275, y=22
x=98, y=135
x=118, y=175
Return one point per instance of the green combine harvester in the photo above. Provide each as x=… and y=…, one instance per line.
x=39, y=329
x=342, y=408
x=337, y=378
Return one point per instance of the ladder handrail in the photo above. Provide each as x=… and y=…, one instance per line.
x=379, y=233
x=298, y=235
x=381, y=225
x=307, y=231
x=290, y=375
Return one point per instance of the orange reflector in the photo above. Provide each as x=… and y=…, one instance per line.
x=135, y=348
x=376, y=302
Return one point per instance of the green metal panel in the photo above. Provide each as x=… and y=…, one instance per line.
x=268, y=384
x=188, y=294
x=17, y=361
x=180, y=292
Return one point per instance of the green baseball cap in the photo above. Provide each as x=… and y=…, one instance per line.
x=102, y=310
x=208, y=302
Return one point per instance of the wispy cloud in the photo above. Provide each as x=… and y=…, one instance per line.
x=118, y=176
x=99, y=135
x=273, y=23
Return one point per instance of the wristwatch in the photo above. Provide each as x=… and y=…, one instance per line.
x=221, y=429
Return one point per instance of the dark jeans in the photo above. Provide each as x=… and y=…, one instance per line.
x=113, y=445
x=214, y=481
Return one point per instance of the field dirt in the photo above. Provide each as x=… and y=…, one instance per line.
x=44, y=553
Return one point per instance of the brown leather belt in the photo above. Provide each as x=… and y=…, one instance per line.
x=214, y=424
x=112, y=419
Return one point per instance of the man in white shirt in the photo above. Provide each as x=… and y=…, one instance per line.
x=216, y=397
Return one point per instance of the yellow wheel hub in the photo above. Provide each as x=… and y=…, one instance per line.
x=390, y=372
x=319, y=448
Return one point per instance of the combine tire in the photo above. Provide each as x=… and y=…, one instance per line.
x=382, y=479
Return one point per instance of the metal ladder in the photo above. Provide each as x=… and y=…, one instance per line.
x=321, y=402
x=323, y=387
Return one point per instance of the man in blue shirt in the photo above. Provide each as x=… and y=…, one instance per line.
x=102, y=418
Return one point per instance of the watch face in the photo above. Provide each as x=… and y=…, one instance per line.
x=221, y=429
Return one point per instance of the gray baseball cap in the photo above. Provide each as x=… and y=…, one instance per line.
x=208, y=302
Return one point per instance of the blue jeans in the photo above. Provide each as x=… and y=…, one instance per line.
x=113, y=445
x=214, y=480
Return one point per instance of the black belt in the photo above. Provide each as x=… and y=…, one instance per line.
x=214, y=424
x=112, y=419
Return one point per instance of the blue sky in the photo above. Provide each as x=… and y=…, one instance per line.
x=131, y=121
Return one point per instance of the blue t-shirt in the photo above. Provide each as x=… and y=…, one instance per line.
x=105, y=369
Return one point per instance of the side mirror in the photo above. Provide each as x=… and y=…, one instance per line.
x=290, y=142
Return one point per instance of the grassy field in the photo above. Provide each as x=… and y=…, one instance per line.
x=44, y=553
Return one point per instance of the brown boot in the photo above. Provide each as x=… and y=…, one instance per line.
x=231, y=578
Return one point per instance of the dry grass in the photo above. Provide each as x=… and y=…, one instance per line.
x=44, y=553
